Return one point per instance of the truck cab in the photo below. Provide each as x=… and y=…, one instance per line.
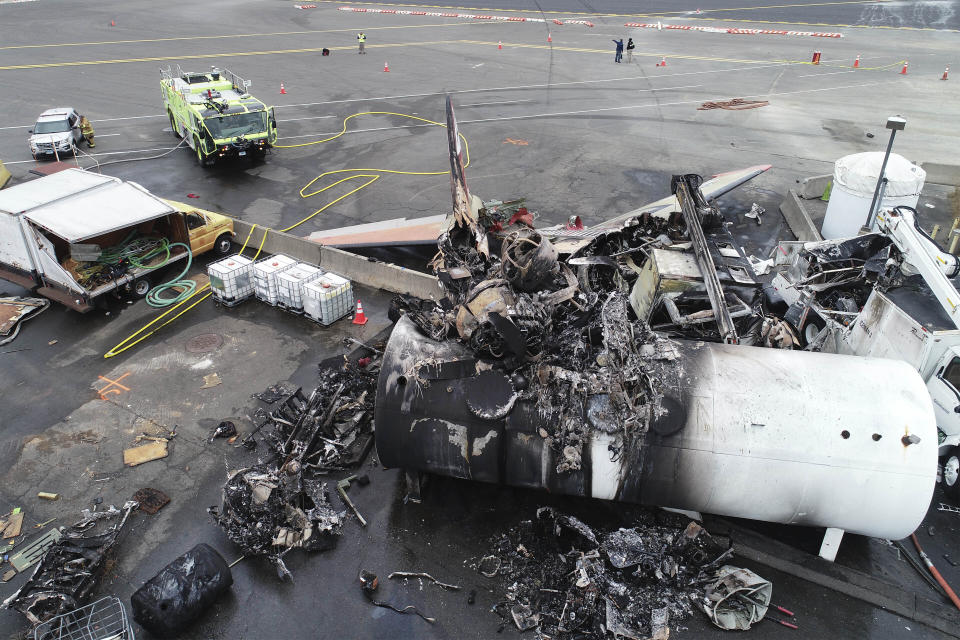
x=209, y=231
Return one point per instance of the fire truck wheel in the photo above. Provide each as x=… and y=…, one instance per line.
x=173, y=124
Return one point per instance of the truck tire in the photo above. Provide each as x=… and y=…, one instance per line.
x=951, y=474
x=223, y=245
x=810, y=330
x=201, y=160
x=173, y=124
x=141, y=287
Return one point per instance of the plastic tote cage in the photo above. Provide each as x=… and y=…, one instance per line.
x=231, y=280
x=290, y=285
x=265, y=276
x=328, y=298
x=104, y=619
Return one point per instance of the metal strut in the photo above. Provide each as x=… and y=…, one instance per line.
x=684, y=188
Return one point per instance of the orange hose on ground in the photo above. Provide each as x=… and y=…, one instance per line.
x=936, y=574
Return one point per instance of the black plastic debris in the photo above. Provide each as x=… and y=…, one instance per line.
x=272, y=393
x=566, y=579
x=225, y=429
x=369, y=584
x=68, y=571
x=181, y=591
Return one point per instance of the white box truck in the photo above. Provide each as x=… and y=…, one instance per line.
x=56, y=231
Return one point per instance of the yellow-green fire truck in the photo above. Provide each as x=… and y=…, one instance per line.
x=216, y=114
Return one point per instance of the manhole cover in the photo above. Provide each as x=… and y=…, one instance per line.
x=204, y=343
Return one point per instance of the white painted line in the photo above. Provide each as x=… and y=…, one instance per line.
x=664, y=104
x=162, y=115
x=306, y=118
x=107, y=135
x=832, y=73
x=415, y=126
x=459, y=91
x=98, y=155
x=487, y=104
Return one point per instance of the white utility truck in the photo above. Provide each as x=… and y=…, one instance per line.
x=75, y=236
x=917, y=322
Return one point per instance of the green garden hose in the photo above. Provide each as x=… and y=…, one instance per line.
x=185, y=287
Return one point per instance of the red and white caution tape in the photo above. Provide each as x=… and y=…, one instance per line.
x=732, y=30
x=469, y=16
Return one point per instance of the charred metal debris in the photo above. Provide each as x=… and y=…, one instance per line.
x=564, y=579
x=281, y=502
x=576, y=335
x=70, y=567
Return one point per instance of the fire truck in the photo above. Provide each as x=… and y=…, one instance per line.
x=216, y=115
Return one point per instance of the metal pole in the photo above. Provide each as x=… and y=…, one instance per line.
x=876, y=193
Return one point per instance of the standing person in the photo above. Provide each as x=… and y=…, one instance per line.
x=361, y=38
x=619, y=54
x=630, y=47
x=86, y=129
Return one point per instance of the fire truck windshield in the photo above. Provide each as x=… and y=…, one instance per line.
x=240, y=124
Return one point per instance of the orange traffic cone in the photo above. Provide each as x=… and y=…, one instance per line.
x=112, y=23
x=903, y=71
x=358, y=317
x=549, y=37
x=499, y=45
x=856, y=63
x=946, y=72
x=663, y=62
x=282, y=90
x=386, y=68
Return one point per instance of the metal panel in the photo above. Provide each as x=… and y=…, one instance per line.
x=48, y=189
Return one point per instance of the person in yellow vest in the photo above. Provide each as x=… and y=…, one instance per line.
x=87, y=130
x=361, y=38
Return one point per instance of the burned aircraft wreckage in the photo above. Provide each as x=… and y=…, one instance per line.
x=615, y=362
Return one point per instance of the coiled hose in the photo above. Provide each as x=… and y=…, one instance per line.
x=185, y=286
x=138, y=252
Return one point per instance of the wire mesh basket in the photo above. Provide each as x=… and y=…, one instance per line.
x=104, y=619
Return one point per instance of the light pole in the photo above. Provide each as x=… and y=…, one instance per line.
x=894, y=123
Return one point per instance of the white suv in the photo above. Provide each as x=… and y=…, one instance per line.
x=56, y=129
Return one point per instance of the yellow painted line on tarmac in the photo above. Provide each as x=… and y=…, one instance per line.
x=235, y=35
x=551, y=47
x=636, y=53
x=236, y=54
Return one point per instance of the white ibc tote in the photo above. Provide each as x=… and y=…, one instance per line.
x=230, y=280
x=854, y=181
x=265, y=276
x=290, y=285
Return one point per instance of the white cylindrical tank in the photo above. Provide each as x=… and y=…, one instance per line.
x=783, y=436
x=800, y=438
x=854, y=181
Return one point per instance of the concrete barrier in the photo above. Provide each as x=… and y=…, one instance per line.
x=946, y=174
x=798, y=219
x=813, y=187
x=359, y=269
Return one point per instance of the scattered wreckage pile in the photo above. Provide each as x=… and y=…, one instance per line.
x=282, y=503
x=70, y=561
x=566, y=580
